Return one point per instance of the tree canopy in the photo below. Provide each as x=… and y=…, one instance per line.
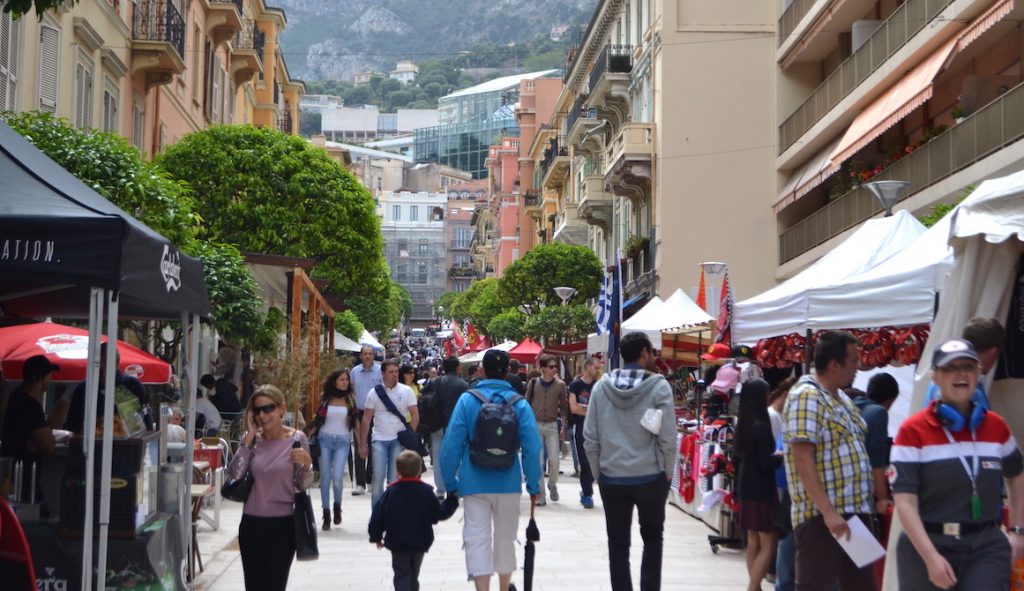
x=349, y=325
x=269, y=192
x=561, y=323
x=530, y=281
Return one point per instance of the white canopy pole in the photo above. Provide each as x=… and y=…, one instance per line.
x=190, y=328
x=92, y=372
x=109, y=388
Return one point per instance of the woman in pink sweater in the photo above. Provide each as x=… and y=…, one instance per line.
x=266, y=536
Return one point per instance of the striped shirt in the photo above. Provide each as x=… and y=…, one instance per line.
x=926, y=464
x=835, y=427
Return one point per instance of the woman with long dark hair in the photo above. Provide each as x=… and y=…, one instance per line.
x=333, y=425
x=755, y=489
x=407, y=376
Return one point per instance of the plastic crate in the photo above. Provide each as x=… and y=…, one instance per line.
x=125, y=498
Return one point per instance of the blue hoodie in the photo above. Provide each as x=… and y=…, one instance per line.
x=464, y=477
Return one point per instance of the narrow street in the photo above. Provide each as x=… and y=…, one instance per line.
x=572, y=553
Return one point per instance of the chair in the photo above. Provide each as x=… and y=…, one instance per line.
x=201, y=490
x=16, y=568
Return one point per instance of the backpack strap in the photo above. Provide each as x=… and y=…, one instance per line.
x=511, y=400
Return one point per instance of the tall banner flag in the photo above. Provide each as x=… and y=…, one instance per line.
x=725, y=313
x=702, y=294
x=458, y=337
x=616, y=314
x=604, y=306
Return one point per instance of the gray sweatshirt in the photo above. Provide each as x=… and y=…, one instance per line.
x=616, y=443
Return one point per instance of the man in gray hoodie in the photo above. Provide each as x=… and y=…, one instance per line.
x=631, y=463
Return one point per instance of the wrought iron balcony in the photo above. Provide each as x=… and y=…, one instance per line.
x=614, y=59
x=247, y=52
x=284, y=122
x=555, y=163
x=983, y=133
x=158, y=41
x=224, y=20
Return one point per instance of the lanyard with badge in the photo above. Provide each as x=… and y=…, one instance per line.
x=972, y=472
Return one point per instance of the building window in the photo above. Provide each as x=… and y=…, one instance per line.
x=83, y=91
x=396, y=212
x=9, y=44
x=424, y=249
x=414, y=213
x=110, y=94
x=49, y=67
x=197, y=63
x=139, y=123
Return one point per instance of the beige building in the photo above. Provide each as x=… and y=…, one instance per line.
x=661, y=144
x=150, y=70
x=923, y=91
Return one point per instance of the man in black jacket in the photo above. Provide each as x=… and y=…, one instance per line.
x=442, y=393
x=513, y=378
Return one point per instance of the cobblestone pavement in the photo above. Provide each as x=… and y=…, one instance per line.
x=571, y=555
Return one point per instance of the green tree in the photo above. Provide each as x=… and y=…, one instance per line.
x=268, y=192
x=485, y=304
x=399, y=98
x=565, y=324
x=234, y=295
x=16, y=8
x=349, y=325
x=530, y=281
x=443, y=305
x=309, y=123
x=508, y=325
x=358, y=95
x=462, y=304
x=390, y=85
x=401, y=299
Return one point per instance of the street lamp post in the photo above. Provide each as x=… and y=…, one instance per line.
x=565, y=294
x=713, y=270
x=888, y=193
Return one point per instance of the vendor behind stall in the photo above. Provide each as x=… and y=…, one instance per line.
x=76, y=412
x=25, y=434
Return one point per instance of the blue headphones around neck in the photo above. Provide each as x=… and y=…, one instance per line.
x=954, y=421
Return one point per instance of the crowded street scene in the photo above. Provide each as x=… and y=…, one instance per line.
x=453, y=294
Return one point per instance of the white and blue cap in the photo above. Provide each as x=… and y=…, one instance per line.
x=952, y=350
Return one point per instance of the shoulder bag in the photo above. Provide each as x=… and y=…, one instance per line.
x=238, y=489
x=305, y=523
x=407, y=437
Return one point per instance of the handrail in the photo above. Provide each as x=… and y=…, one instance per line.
x=793, y=14
x=613, y=58
x=159, y=20
x=984, y=132
x=905, y=22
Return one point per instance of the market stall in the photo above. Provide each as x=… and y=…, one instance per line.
x=70, y=253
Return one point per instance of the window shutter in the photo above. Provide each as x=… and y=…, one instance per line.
x=49, y=67
x=138, y=124
x=79, y=94
x=218, y=98
x=87, y=121
x=8, y=62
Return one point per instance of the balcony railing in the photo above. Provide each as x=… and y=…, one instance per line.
x=555, y=149
x=462, y=271
x=578, y=110
x=238, y=4
x=458, y=244
x=159, y=20
x=244, y=38
x=791, y=17
x=988, y=130
x=284, y=122
x=616, y=59
x=900, y=27
x=259, y=39
x=531, y=198
x=633, y=267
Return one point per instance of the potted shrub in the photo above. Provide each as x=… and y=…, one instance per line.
x=958, y=113
x=635, y=244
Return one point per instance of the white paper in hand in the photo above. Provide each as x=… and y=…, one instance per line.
x=862, y=547
x=652, y=420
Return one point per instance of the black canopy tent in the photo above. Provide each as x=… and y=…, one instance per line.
x=66, y=251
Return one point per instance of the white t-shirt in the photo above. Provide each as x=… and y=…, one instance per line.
x=336, y=422
x=776, y=420
x=386, y=425
x=208, y=410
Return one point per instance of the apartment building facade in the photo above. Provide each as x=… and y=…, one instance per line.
x=660, y=147
x=537, y=99
x=150, y=70
x=922, y=91
x=412, y=225
x=458, y=232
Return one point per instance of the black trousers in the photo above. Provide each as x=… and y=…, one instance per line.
x=362, y=476
x=267, y=546
x=586, y=476
x=407, y=570
x=649, y=500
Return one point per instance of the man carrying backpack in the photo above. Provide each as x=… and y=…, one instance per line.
x=487, y=448
x=437, y=402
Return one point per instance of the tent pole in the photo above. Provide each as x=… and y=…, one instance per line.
x=89, y=429
x=190, y=326
x=108, y=437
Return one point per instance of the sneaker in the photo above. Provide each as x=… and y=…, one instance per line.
x=587, y=502
x=541, y=502
x=358, y=490
x=554, y=493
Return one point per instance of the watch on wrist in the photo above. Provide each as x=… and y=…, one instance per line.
x=1017, y=529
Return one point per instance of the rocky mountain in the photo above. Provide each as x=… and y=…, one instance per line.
x=334, y=39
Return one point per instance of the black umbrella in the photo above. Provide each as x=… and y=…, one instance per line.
x=532, y=535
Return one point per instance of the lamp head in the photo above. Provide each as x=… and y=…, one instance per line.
x=888, y=193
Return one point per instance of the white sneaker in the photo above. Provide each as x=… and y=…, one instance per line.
x=553, y=490
x=358, y=490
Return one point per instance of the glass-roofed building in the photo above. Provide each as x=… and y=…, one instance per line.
x=470, y=120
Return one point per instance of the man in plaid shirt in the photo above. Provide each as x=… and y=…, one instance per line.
x=828, y=468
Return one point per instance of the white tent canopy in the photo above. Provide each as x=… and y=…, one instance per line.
x=784, y=308
x=343, y=343
x=683, y=312
x=478, y=356
x=645, y=320
x=367, y=339
x=898, y=291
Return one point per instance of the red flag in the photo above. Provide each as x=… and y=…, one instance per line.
x=725, y=313
x=702, y=296
x=457, y=336
x=472, y=338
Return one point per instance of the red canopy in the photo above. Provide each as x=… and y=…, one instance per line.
x=67, y=347
x=527, y=351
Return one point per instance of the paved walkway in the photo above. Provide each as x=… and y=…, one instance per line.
x=571, y=555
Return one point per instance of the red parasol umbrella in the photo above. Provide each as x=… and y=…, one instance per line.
x=67, y=347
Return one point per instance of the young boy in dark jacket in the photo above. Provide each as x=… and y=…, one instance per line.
x=403, y=520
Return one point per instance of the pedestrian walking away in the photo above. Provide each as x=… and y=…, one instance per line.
x=579, y=399
x=403, y=520
x=548, y=397
x=631, y=463
x=365, y=377
x=491, y=494
x=442, y=393
x=266, y=535
x=333, y=426
x=386, y=425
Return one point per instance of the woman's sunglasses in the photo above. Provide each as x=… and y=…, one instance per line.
x=266, y=408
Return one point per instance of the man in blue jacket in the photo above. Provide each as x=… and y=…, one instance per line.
x=490, y=494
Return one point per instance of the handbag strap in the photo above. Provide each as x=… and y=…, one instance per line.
x=384, y=398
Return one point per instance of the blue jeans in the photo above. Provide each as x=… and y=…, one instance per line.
x=385, y=453
x=785, y=564
x=333, y=455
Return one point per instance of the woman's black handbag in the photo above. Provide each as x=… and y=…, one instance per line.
x=305, y=528
x=237, y=489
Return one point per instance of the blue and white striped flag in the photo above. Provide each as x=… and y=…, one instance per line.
x=604, y=306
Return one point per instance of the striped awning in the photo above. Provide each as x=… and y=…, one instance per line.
x=805, y=178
